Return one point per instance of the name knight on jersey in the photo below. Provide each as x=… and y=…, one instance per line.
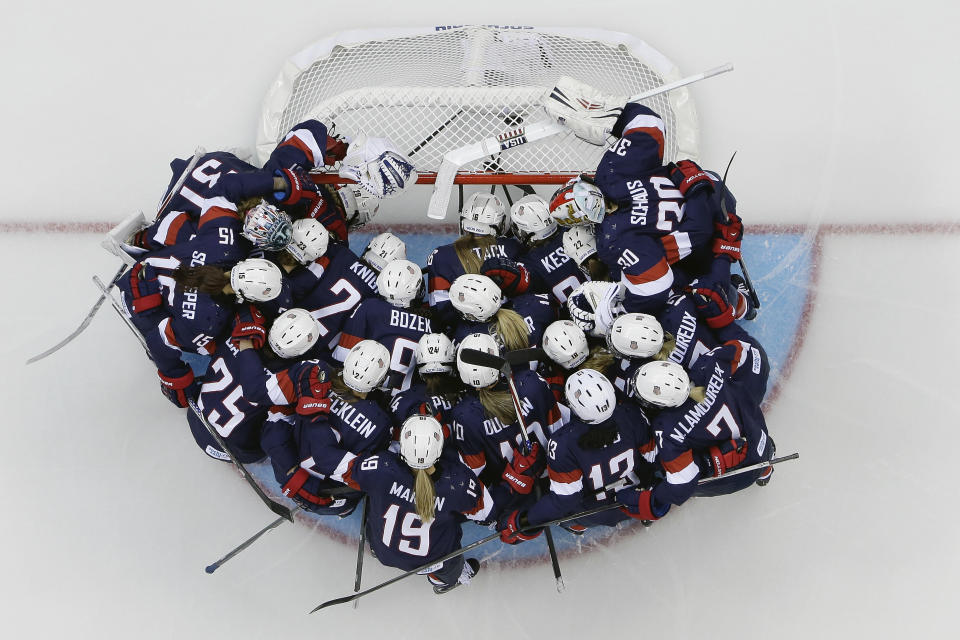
x=366, y=274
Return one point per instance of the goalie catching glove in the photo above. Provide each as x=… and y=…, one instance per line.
x=584, y=110
x=594, y=306
x=378, y=166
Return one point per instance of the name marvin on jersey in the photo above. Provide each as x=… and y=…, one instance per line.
x=406, y=493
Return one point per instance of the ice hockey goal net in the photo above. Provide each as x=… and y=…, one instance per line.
x=434, y=89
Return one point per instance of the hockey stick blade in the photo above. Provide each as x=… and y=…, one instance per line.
x=246, y=543
x=459, y=552
x=523, y=356
x=753, y=467
x=83, y=325
x=482, y=359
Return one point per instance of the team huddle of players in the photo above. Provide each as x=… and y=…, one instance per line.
x=356, y=379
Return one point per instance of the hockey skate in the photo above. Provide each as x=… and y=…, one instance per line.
x=471, y=567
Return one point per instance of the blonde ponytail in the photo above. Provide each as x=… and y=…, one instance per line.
x=464, y=248
x=599, y=360
x=497, y=404
x=426, y=496
x=511, y=328
x=669, y=344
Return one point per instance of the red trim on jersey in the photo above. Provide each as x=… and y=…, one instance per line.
x=737, y=354
x=438, y=282
x=554, y=415
x=649, y=447
x=653, y=132
x=168, y=333
x=475, y=460
x=348, y=475
x=652, y=274
x=670, y=248
x=679, y=463
x=297, y=143
x=215, y=213
x=174, y=229
x=286, y=386
x=348, y=341
x=564, y=477
x=479, y=507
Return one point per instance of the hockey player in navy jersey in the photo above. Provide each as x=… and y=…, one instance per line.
x=310, y=450
x=716, y=428
x=394, y=319
x=181, y=317
x=485, y=426
x=436, y=388
x=482, y=224
x=551, y=270
x=605, y=446
x=382, y=249
x=478, y=303
x=418, y=500
x=238, y=391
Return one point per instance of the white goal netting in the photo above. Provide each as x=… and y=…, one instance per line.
x=431, y=90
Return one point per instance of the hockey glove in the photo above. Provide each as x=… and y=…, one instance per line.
x=727, y=237
x=144, y=288
x=511, y=528
x=583, y=109
x=524, y=470
x=512, y=277
x=638, y=503
x=249, y=323
x=581, y=311
x=377, y=166
x=294, y=490
x=299, y=186
x=727, y=455
x=313, y=389
x=689, y=178
x=179, y=390
x=712, y=304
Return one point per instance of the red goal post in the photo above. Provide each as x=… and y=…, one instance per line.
x=434, y=89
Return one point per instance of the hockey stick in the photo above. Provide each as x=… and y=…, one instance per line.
x=249, y=541
x=96, y=307
x=363, y=540
x=477, y=357
x=726, y=217
x=435, y=133
x=459, y=552
x=456, y=158
x=276, y=507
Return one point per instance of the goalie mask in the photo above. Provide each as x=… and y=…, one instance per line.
x=294, y=333
x=435, y=354
x=483, y=215
x=661, y=384
x=565, y=344
x=530, y=219
x=309, y=241
x=476, y=297
x=474, y=375
x=366, y=366
x=635, y=335
x=421, y=441
x=383, y=249
x=578, y=202
x=256, y=279
x=267, y=227
x=400, y=283
x=590, y=396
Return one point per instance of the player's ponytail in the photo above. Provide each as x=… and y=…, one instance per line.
x=497, y=404
x=207, y=279
x=511, y=328
x=669, y=344
x=339, y=387
x=425, y=495
x=464, y=248
x=599, y=359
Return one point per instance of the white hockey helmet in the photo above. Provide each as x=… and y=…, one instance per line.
x=473, y=375
x=382, y=249
x=267, y=227
x=400, y=283
x=256, y=279
x=476, y=297
x=421, y=441
x=366, y=366
x=483, y=214
x=590, y=396
x=635, y=335
x=309, y=242
x=531, y=219
x=293, y=333
x=661, y=383
x=435, y=354
x=580, y=243
x=359, y=205
x=565, y=343
x=577, y=202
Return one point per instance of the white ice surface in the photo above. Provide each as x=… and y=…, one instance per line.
x=842, y=112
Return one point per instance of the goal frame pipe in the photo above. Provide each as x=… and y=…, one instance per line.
x=468, y=178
